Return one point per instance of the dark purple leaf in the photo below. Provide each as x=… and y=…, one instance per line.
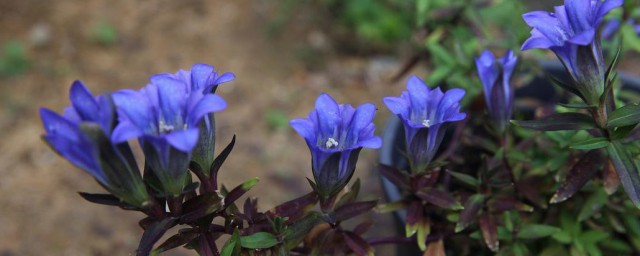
x=578, y=175
x=489, y=231
x=470, y=211
x=351, y=210
x=239, y=190
x=152, y=234
x=363, y=227
x=439, y=198
x=507, y=203
x=610, y=178
x=627, y=171
x=426, y=180
x=297, y=207
x=217, y=163
x=106, y=199
x=200, y=206
x=559, y=122
x=358, y=245
x=176, y=240
x=530, y=188
x=397, y=177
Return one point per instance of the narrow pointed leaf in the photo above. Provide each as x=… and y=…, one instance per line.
x=627, y=171
x=439, y=198
x=106, y=199
x=296, y=232
x=535, y=231
x=414, y=214
x=559, y=122
x=576, y=105
x=217, y=163
x=152, y=234
x=358, y=245
x=424, y=229
x=565, y=86
x=390, y=207
x=614, y=64
x=578, y=175
x=591, y=143
x=489, y=231
x=260, y=240
x=363, y=227
x=200, y=206
x=465, y=178
x=232, y=246
x=175, y=241
x=397, y=177
x=624, y=116
x=240, y=190
x=351, y=210
x=296, y=207
x=470, y=211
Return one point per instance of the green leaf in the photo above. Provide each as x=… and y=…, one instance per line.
x=232, y=247
x=591, y=143
x=559, y=122
x=534, y=231
x=465, y=178
x=627, y=171
x=624, y=116
x=593, y=204
x=470, y=211
x=260, y=240
x=575, y=105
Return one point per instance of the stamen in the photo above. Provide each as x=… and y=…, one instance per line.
x=165, y=128
x=426, y=123
x=331, y=143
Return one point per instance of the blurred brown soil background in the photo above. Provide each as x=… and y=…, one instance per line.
x=40, y=210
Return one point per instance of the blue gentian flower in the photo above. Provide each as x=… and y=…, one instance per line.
x=335, y=135
x=425, y=114
x=165, y=116
x=204, y=78
x=571, y=33
x=81, y=136
x=495, y=75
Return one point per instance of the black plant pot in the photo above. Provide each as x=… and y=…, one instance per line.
x=540, y=88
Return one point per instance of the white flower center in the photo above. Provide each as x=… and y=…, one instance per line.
x=331, y=143
x=426, y=123
x=165, y=128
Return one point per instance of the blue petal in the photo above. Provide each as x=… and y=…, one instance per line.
x=397, y=105
x=135, y=107
x=83, y=102
x=305, y=128
x=605, y=7
x=548, y=25
x=373, y=142
x=209, y=103
x=328, y=115
x=579, y=14
x=171, y=97
x=183, y=140
x=362, y=118
x=537, y=40
x=201, y=76
x=125, y=131
x=57, y=125
x=584, y=38
x=226, y=77
x=419, y=95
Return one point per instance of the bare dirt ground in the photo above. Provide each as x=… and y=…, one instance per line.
x=40, y=211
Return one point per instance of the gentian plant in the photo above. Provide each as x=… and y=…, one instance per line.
x=478, y=175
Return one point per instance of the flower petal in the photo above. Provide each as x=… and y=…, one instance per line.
x=172, y=95
x=135, y=107
x=362, y=118
x=305, y=128
x=397, y=105
x=83, y=102
x=548, y=25
x=183, y=140
x=202, y=76
x=605, y=7
x=328, y=115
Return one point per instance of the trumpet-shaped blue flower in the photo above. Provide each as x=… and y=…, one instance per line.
x=425, y=114
x=204, y=78
x=335, y=135
x=495, y=75
x=571, y=33
x=164, y=116
x=81, y=135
